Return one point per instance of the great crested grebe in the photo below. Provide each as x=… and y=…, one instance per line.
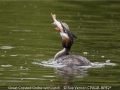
x=67, y=41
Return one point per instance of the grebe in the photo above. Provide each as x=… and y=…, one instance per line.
x=68, y=37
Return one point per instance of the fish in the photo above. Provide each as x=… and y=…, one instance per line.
x=58, y=23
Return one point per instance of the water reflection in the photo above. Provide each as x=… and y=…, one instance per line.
x=68, y=73
x=63, y=71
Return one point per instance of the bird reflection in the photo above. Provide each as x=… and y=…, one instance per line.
x=69, y=73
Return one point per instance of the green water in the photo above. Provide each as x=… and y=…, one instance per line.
x=27, y=36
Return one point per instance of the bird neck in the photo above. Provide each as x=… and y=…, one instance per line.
x=66, y=43
x=61, y=53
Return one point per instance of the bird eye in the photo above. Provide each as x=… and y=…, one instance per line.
x=64, y=31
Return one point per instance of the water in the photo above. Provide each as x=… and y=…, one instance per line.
x=28, y=43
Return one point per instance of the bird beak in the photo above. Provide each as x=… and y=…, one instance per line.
x=57, y=28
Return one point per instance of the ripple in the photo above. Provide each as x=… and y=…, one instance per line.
x=16, y=30
x=6, y=47
x=22, y=30
x=8, y=65
x=1, y=73
x=27, y=30
x=11, y=81
x=40, y=55
x=2, y=55
x=47, y=76
x=17, y=79
x=13, y=55
x=22, y=39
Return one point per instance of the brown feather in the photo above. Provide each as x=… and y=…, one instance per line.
x=67, y=43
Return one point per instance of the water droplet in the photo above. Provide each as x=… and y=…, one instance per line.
x=0, y=10
x=102, y=56
x=81, y=19
x=24, y=6
x=111, y=15
x=107, y=61
x=84, y=15
x=78, y=14
x=30, y=4
x=26, y=68
x=85, y=53
x=35, y=6
x=21, y=67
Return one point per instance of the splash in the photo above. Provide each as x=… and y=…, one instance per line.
x=54, y=64
x=49, y=63
x=67, y=71
x=100, y=64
